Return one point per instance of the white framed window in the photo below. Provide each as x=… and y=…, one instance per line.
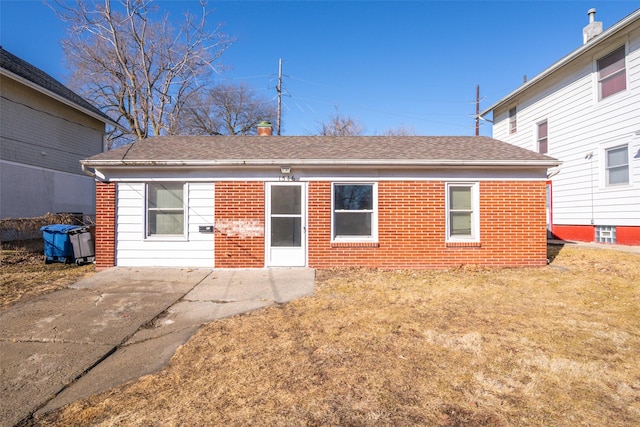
x=354, y=212
x=165, y=210
x=513, y=120
x=542, y=139
x=463, y=212
x=617, y=165
x=612, y=74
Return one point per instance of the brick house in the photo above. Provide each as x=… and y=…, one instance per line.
x=320, y=202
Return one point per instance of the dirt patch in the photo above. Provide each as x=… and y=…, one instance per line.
x=24, y=274
x=463, y=347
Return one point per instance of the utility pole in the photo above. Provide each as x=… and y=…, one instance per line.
x=477, y=110
x=279, y=89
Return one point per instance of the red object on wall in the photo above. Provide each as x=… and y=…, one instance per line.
x=625, y=235
x=579, y=233
x=628, y=235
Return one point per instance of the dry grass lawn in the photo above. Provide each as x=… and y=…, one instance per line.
x=23, y=273
x=555, y=346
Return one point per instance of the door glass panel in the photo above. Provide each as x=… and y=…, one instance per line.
x=285, y=231
x=285, y=199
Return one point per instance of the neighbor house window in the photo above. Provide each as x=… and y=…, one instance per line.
x=165, y=209
x=462, y=211
x=354, y=212
x=543, y=141
x=617, y=165
x=513, y=122
x=612, y=76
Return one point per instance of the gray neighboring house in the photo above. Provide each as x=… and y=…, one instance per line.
x=45, y=130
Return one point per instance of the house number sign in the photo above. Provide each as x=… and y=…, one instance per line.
x=287, y=178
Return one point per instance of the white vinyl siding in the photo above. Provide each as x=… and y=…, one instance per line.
x=583, y=125
x=195, y=249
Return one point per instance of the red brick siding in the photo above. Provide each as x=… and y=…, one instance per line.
x=239, y=224
x=513, y=223
x=105, y=238
x=411, y=227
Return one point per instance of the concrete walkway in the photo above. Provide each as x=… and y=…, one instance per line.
x=118, y=325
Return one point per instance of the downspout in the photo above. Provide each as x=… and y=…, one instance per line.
x=589, y=157
x=91, y=174
x=87, y=172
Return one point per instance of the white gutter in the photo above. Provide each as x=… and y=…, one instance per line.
x=316, y=162
x=57, y=97
x=613, y=30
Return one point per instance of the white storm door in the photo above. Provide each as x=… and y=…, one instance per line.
x=286, y=242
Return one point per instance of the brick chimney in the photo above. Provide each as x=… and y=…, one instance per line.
x=593, y=29
x=264, y=129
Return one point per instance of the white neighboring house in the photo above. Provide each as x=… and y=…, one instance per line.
x=45, y=130
x=585, y=111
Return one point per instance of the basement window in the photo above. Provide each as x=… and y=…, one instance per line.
x=606, y=234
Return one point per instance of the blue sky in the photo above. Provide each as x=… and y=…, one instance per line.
x=411, y=64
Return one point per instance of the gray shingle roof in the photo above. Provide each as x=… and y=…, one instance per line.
x=23, y=69
x=320, y=150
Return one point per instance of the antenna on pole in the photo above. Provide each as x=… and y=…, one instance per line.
x=477, y=110
x=279, y=89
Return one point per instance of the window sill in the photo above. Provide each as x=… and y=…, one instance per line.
x=613, y=187
x=166, y=238
x=463, y=244
x=355, y=244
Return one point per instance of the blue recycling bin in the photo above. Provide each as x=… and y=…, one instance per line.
x=57, y=244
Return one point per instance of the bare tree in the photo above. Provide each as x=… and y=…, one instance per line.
x=339, y=125
x=402, y=130
x=141, y=71
x=226, y=109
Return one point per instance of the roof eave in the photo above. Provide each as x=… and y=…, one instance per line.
x=604, y=36
x=546, y=163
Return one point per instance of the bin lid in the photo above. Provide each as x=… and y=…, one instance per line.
x=58, y=228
